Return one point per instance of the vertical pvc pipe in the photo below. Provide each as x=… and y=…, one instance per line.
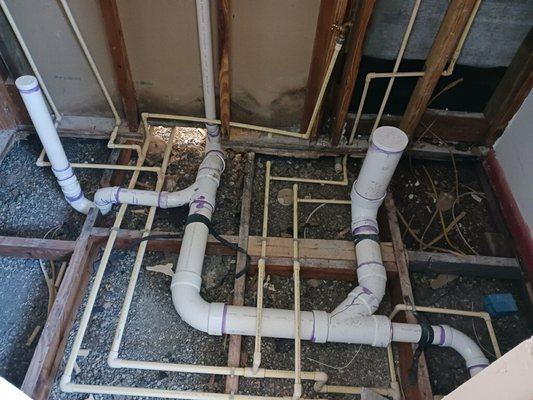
x=32, y=96
x=386, y=148
x=203, y=16
x=261, y=273
x=296, y=277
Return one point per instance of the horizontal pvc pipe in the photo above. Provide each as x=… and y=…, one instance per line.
x=355, y=390
x=104, y=198
x=159, y=393
x=246, y=372
x=105, y=166
x=466, y=313
x=33, y=99
x=325, y=201
x=444, y=336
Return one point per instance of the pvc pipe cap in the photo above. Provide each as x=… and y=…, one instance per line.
x=26, y=83
x=390, y=139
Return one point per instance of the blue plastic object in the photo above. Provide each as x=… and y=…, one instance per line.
x=500, y=304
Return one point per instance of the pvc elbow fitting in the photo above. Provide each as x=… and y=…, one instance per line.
x=192, y=308
x=446, y=336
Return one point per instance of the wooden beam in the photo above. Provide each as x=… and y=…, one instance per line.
x=511, y=91
x=330, y=16
x=481, y=266
x=402, y=292
x=121, y=64
x=7, y=141
x=43, y=366
x=9, y=112
x=356, y=39
x=234, y=347
x=45, y=249
x=444, y=45
x=320, y=259
x=224, y=18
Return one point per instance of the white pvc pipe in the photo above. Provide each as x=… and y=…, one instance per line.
x=444, y=336
x=351, y=321
x=35, y=104
x=203, y=16
x=104, y=198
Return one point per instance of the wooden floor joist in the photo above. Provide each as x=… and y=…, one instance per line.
x=480, y=266
x=402, y=292
x=49, y=351
x=45, y=249
x=234, y=347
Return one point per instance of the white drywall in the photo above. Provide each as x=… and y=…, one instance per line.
x=514, y=151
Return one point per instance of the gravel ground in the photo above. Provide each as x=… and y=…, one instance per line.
x=31, y=202
x=22, y=308
x=414, y=198
x=156, y=333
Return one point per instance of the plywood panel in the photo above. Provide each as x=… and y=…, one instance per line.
x=59, y=57
x=271, y=46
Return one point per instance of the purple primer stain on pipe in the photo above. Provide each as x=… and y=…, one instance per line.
x=224, y=312
x=159, y=199
x=442, y=336
x=74, y=198
x=28, y=91
x=362, y=228
x=201, y=202
x=61, y=170
x=478, y=366
x=313, y=338
x=117, y=196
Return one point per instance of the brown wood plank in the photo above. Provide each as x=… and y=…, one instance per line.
x=46, y=249
x=331, y=14
x=511, y=91
x=43, y=366
x=7, y=140
x=482, y=266
x=320, y=249
x=442, y=49
x=9, y=112
x=356, y=39
x=402, y=292
x=107, y=175
x=224, y=12
x=321, y=259
x=121, y=64
x=234, y=347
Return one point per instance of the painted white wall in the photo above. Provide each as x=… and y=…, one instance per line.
x=514, y=151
